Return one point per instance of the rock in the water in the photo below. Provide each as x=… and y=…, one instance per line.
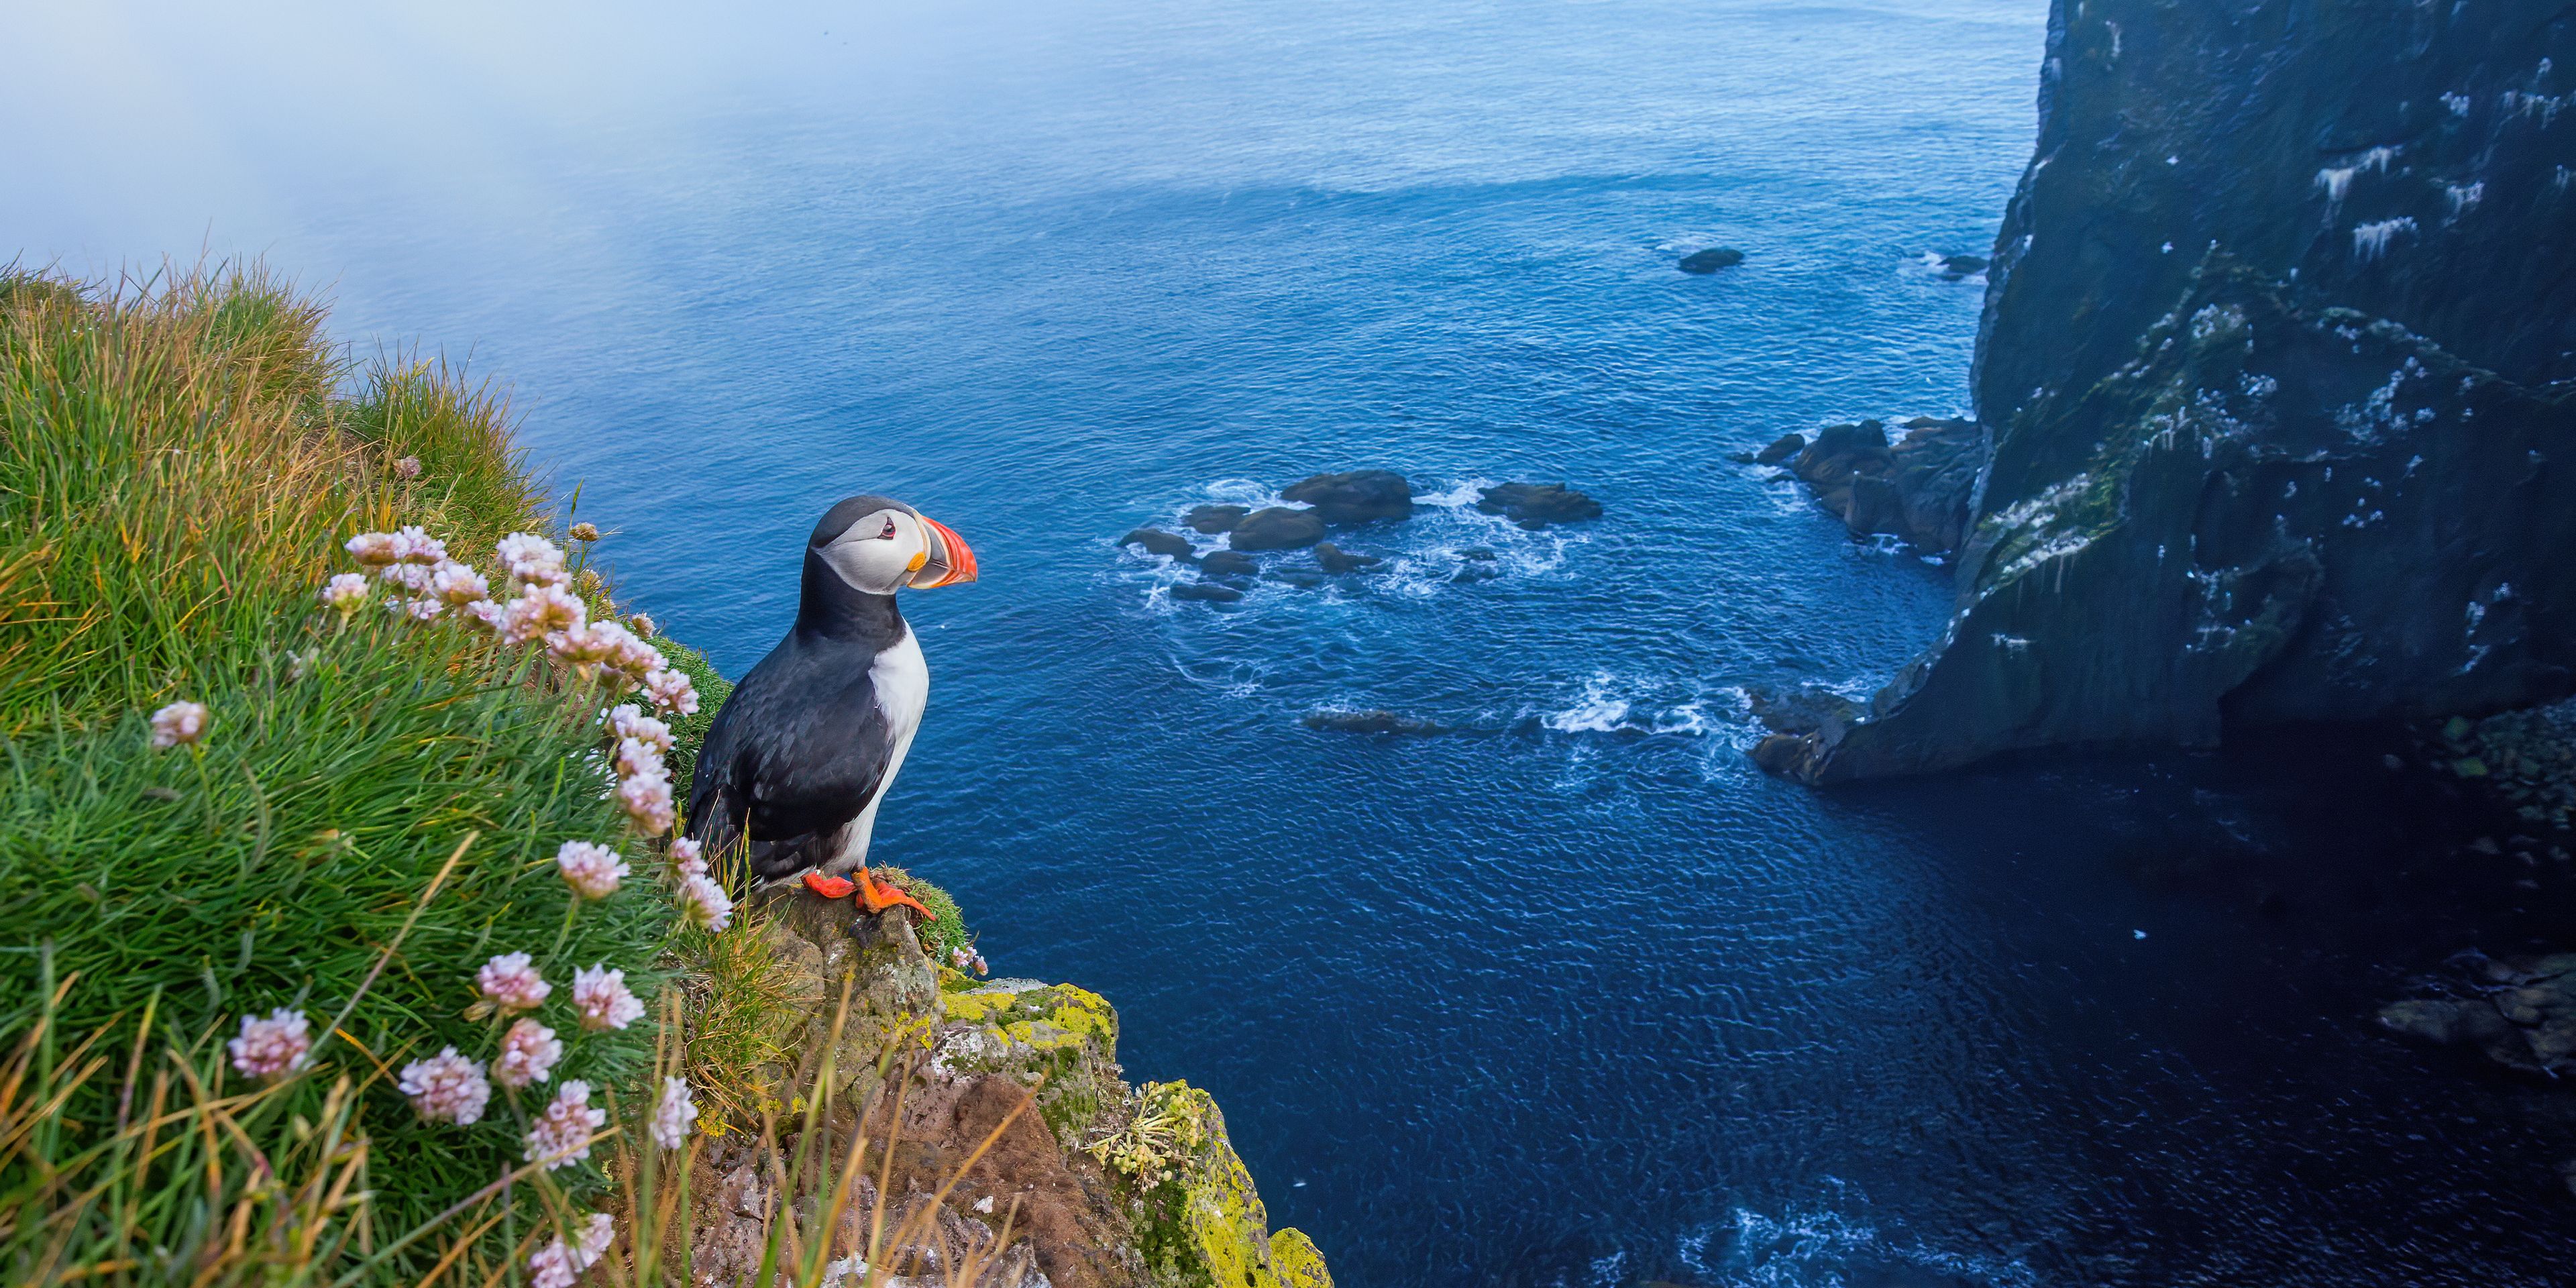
x=1712, y=259
x=1371, y=721
x=1916, y=489
x=1956, y=267
x=1293, y=577
x=1206, y=592
x=1361, y=496
x=1156, y=541
x=1229, y=563
x=1333, y=558
x=1536, y=505
x=1470, y=574
x=2443, y=1022
x=1781, y=449
x=1215, y=519
x=1479, y=554
x=1277, y=528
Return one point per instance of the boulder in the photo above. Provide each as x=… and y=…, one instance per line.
x=1277, y=528
x=1478, y=553
x=1215, y=519
x=1158, y=542
x=1536, y=505
x=1361, y=496
x=1781, y=449
x=2444, y=1022
x=1293, y=577
x=1207, y=592
x=1333, y=558
x=1229, y=563
x=1375, y=720
x=1712, y=259
x=1956, y=267
x=1915, y=489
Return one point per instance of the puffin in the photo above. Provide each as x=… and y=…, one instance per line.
x=800, y=756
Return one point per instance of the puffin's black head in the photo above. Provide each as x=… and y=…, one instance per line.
x=877, y=546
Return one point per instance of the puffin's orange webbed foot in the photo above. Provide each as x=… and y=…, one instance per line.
x=829, y=887
x=877, y=896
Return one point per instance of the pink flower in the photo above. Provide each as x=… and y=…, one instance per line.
x=704, y=903
x=671, y=691
x=592, y=1243
x=672, y=1117
x=272, y=1046
x=542, y=611
x=629, y=653
x=407, y=468
x=528, y=1054
x=412, y=545
x=346, y=592
x=486, y=613
x=690, y=856
x=372, y=549
x=406, y=576
x=643, y=624
x=582, y=644
x=180, y=724
x=512, y=983
x=422, y=610
x=552, y=1266
x=591, y=870
x=602, y=998
x=531, y=559
x=562, y=1137
x=639, y=760
x=447, y=1087
x=646, y=798
x=629, y=721
x=458, y=583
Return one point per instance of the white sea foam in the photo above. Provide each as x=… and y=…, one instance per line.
x=1631, y=705
x=1815, y=1246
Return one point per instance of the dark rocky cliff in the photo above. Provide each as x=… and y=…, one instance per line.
x=2277, y=381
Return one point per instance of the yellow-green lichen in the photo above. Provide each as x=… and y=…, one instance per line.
x=1201, y=1224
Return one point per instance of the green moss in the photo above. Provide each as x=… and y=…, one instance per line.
x=947, y=931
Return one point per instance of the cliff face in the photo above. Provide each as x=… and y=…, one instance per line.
x=2277, y=380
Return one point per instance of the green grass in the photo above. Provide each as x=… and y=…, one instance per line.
x=178, y=468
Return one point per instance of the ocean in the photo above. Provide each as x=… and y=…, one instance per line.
x=1570, y=993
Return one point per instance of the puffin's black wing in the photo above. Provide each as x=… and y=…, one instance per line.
x=796, y=753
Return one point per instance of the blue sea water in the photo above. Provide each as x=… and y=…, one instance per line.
x=1573, y=994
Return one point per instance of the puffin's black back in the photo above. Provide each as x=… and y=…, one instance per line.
x=801, y=747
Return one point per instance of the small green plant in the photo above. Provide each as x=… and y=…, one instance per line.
x=1169, y=1125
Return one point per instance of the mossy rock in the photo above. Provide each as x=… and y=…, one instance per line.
x=1065, y=1034
x=1205, y=1226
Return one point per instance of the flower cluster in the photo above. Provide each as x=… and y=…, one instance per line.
x=591, y=870
x=643, y=782
x=273, y=1046
x=528, y=1054
x=674, y=1115
x=966, y=959
x=447, y=1088
x=604, y=1001
x=180, y=724
x=510, y=982
x=559, y=1264
x=561, y=1136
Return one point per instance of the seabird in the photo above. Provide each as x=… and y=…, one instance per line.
x=801, y=755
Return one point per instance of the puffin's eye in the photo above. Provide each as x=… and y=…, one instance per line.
x=888, y=534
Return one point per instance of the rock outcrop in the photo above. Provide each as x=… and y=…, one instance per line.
x=2277, y=377
x=1361, y=496
x=1711, y=260
x=940, y=1061
x=1277, y=528
x=1536, y=505
x=1915, y=489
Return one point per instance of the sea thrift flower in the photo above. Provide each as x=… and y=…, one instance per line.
x=646, y=798
x=672, y=1117
x=372, y=549
x=672, y=691
x=642, y=624
x=407, y=576
x=552, y=1266
x=422, y=610
x=180, y=724
x=639, y=760
x=346, y=592
x=591, y=870
x=629, y=721
x=273, y=1045
x=562, y=1137
x=592, y=1243
x=531, y=559
x=447, y=1088
x=690, y=856
x=601, y=995
x=458, y=583
x=528, y=1054
x=511, y=982
x=704, y=902
x=414, y=545
x=487, y=614
x=585, y=532
x=542, y=611
x=408, y=467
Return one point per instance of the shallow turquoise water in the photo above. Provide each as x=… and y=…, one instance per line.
x=1571, y=996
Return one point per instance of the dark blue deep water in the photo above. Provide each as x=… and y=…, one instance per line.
x=1573, y=995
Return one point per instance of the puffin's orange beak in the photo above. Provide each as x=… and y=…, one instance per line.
x=950, y=560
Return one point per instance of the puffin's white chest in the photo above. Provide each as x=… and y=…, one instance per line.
x=902, y=682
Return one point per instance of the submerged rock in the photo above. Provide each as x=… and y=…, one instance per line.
x=1711, y=260
x=1361, y=496
x=1158, y=542
x=1215, y=520
x=1781, y=449
x=1370, y=721
x=1536, y=505
x=1956, y=267
x=1277, y=528
x=1206, y=592
x=1229, y=563
x=1334, y=559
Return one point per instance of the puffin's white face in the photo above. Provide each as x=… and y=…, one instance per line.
x=888, y=549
